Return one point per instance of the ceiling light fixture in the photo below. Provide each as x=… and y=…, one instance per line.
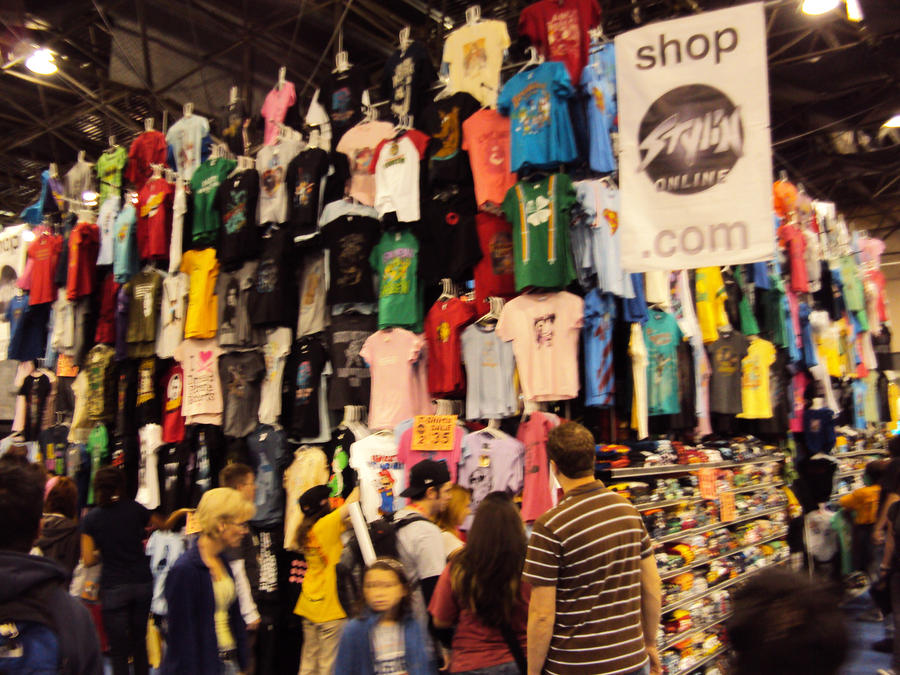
x=816, y=7
x=41, y=62
x=893, y=123
x=854, y=11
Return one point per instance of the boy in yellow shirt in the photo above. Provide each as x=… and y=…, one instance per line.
x=864, y=504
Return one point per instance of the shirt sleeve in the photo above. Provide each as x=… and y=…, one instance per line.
x=543, y=558
x=430, y=558
x=510, y=205
x=366, y=351
x=375, y=156
x=420, y=140
x=646, y=544
x=506, y=328
x=443, y=606
x=504, y=100
x=329, y=528
x=562, y=83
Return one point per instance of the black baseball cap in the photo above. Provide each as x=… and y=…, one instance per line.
x=427, y=473
x=314, y=500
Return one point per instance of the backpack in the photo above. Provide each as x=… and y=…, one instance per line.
x=29, y=643
x=351, y=567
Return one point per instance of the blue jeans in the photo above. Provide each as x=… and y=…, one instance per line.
x=501, y=669
x=230, y=667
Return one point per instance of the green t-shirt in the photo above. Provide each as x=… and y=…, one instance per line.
x=205, y=184
x=109, y=171
x=539, y=213
x=98, y=449
x=396, y=261
x=662, y=337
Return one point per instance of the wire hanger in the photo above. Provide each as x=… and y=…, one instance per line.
x=534, y=59
x=444, y=83
x=493, y=314
x=447, y=290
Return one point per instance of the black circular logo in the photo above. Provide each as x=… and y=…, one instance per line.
x=690, y=139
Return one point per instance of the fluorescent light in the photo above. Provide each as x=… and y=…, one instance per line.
x=89, y=196
x=41, y=62
x=815, y=7
x=893, y=123
x=854, y=11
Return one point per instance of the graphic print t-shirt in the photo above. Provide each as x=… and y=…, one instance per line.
x=241, y=374
x=109, y=171
x=381, y=475
x=305, y=365
x=662, y=337
x=204, y=186
x=359, y=144
x=494, y=272
x=599, y=370
x=342, y=98
x=443, y=330
x=303, y=183
x=395, y=262
x=271, y=297
x=407, y=77
x=486, y=139
x=558, y=28
x=350, y=239
x=271, y=164
x=154, y=225
x=185, y=139
x=490, y=374
x=349, y=383
x=233, y=291
x=443, y=120
x=202, y=393
x=598, y=80
x=396, y=167
x=239, y=237
x=755, y=392
x=725, y=356
x=172, y=419
x=473, y=54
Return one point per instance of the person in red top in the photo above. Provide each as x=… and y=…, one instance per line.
x=44, y=256
x=154, y=219
x=558, y=28
x=84, y=245
x=481, y=592
x=443, y=328
x=148, y=148
x=494, y=273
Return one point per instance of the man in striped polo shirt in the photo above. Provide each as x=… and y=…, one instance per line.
x=595, y=600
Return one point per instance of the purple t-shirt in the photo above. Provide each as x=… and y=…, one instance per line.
x=490, y=464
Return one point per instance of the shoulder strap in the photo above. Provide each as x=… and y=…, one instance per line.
x=515, y=647
x=403, y=522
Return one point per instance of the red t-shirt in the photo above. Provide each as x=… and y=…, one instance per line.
x=84, y=245
x=558, y=28
x=443, y=326
x=44, y=255
x=148, y=148
x=172, y=419
x=475, y=644
x=154, y=219
x=106, y=321
x=494, y=272
x=792, y=239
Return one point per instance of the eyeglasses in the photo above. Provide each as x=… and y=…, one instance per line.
x=241, y=526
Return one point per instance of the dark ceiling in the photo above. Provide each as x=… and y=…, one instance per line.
x=833, y=82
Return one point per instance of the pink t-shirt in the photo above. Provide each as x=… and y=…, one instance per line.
x=359, y=144
x=544, y=330
x=392, y=354
x=202, y=388
x=275, y=109
x=800, y=381
x=536, y=492
x=409, y=457
x=486, y=139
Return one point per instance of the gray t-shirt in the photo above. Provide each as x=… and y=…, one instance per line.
x=233, y=291
x=490, y=368
x=241, y=374
x=490, y=464
x=725, y=355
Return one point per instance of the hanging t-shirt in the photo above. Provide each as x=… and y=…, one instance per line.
x=84, y=241
x=486, y=139
x=443, y=330
x=473, y=55
x=274, y=109
x=233, y=291
x=312, y=316
x=304, y=370
x=173, y=309
x=598, y=80
x=27, y=329
x=494, y=272
x=271, y=164
x=395, y=262
x=359, y=144
x=272, y=294
x=350, y=240
x=202, y=393
x=408, y=74
x=109, y=171
x=381, y=475
x=597, y=334
x=205, y=184
x=725, y=356
x=536, y=102
x=490, y=374
x=791, y=238
x=275, y=351
x=342, y=98
x=145, y=291
x=448, y=238
x=558, y=28
x=98, y=365
x=185, y=139
x=599, y=202
x=391, y=355
x=396, y=168
x=661, y=338
x=43, y=254
x=179, y=209
x=239, y=237
x=537, y=497
x=755, y=394
x=148, y=475
x=242, y=374
x=202, y=269
x=154, y=224
x=539, y=213
x=106, y=221
x=172, y=419
x=36, y=390
x=544, y=330
x=304, y=183
x=710, y=296
x=125, y=253
x=349, y=383
x=269, y=452
x=490, y=464
x=147, y=149
x=442, y=120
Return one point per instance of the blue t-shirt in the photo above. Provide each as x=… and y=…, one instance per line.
x=599, y=319
x=540, y=127
x=598, y=79
x=662, y=336
x=635, y=309
x=269, y=452
x=859, y=404
x=125, y=256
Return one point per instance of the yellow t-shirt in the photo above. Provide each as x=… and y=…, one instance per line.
x=757, y=402
x=893, y=395
x=223, y=593
x=829, y=351
x=864, y=501
x=203, y=269
x=710, y=302
x=318, y=600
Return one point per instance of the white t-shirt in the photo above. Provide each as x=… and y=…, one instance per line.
x=638, y=352
x=202, y=391
x=172, y=312
x=381, y=474
x=186, y=139
x=271, y=163
x=473, y=53
x=148, y=480
x=179, y=208
x=544, y=330
x=396, y=169
x=106, y=221
x=275, y=351
x=312, y=317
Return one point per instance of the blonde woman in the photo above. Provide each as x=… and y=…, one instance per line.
x=452, y=517
x=207, y=635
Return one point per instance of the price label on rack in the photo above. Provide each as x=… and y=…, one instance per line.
x=191, y=526
x=708, y=488
x=726, y=507
x=433, y=432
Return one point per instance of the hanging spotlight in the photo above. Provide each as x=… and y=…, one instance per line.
x=854, y=11
x=893, y=123
x=816, y=7
x=41, y=62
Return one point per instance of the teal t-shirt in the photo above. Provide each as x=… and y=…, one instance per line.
x=125, y=254
x=662, y=337
x=205, y=184
x=539, y=213
x=395, y=260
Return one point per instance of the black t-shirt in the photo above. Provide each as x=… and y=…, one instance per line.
x=36, y=388
x=304, y=377
x=342, y=99
x=407, y=80
x=54, y=444
x=126, y=398
x=239, y=236
x=233, y=128
x=272, y=296
x=448, y=163
x=118, y=533
x=448, y=235
x=303, y=184
x=148, y=400
x=351, y=239
x=350, y=383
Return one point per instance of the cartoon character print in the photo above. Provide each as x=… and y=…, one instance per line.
x=448, y=134
x=272, y=179
x=474, y=57
x=443, y=332
x=350, y=255
x=612, y=219
x=173, y=392
x=532, y=113
x=401, y=81
x=237, y=382
x=543, y=330
x=726, y=361
x=501, y=253
x=266, y=276
x=481, y=482
x=341, y=110
x=303, y=192
x=235, y=215
x=386, y=490
x=362, y=161
x=563, y=34
x=304, y=383
x=497, y=143
x=395, y=278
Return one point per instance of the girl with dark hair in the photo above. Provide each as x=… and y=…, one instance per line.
x=386, y=639
x=481, y=593
x=59, y=539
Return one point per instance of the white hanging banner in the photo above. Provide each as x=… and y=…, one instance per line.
x=695, y=165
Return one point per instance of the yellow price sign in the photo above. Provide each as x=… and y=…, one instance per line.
x=191, y=526
x=708, y=486
x=726, y=507
x=433, y=432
